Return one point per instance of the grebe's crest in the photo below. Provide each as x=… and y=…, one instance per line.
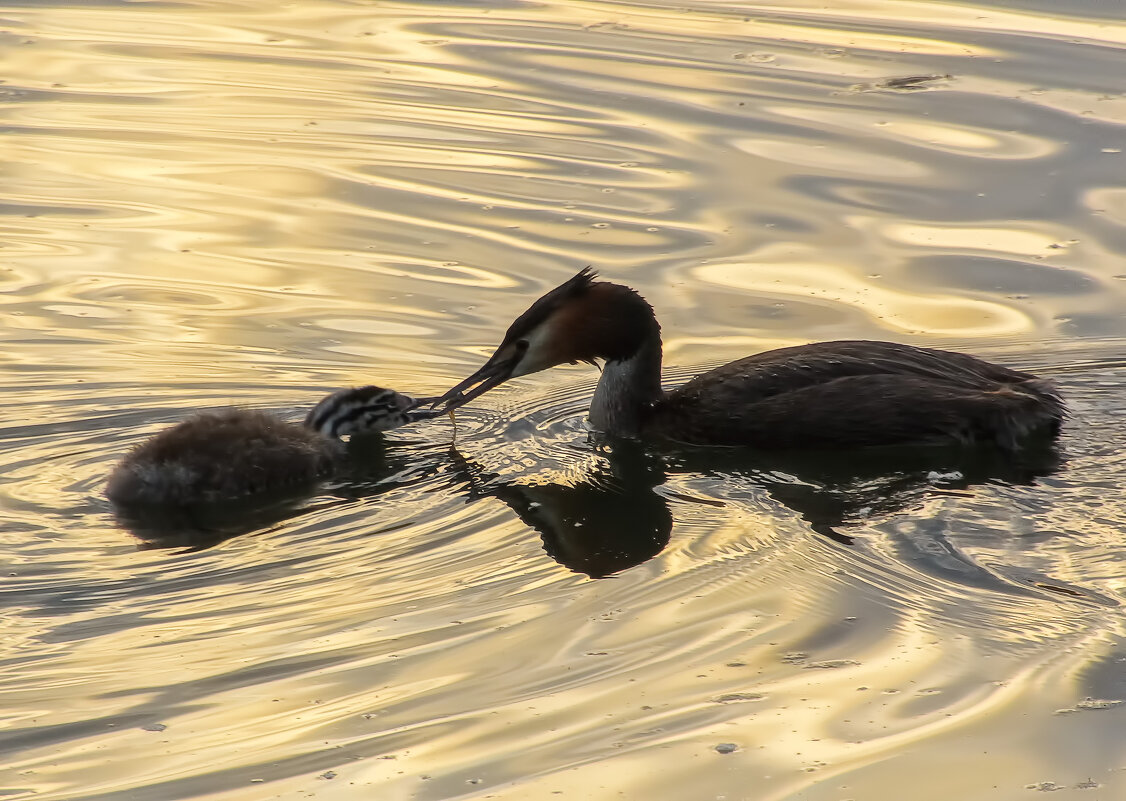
x=581, y=320
x=539, y=312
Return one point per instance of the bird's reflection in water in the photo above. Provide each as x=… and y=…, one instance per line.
x=609, y=520
x=832, y=490
x=612, y=517
x=195, y=527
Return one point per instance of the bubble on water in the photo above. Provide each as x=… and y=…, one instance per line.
x=736, y=698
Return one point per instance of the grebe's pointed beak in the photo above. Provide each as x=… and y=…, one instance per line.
x=415, y=411
x=493, y=372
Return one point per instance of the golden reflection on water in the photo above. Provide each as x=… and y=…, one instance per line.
x=213, y=203
x=896, y=310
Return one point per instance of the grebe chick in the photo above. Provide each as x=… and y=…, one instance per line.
x=232, y=453
x=824, y=395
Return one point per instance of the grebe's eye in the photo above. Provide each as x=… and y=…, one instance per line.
x=521, y=345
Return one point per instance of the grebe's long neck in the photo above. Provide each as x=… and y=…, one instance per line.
x=628, y=388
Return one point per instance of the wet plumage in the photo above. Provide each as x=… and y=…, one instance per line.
x=232, y=453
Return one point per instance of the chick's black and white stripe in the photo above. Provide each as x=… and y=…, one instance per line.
x=352, y=411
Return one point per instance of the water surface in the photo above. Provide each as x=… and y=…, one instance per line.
x=210, y=203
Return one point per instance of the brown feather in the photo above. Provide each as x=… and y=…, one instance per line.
x=221, y=454
x=856, y=393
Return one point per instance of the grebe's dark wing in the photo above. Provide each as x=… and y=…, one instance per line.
x=862, y=410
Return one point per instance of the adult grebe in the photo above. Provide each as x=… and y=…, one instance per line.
x=825, y=395
x=232, y=453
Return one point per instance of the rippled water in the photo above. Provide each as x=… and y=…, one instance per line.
x=235, y=202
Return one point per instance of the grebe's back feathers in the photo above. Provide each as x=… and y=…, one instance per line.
x=856, y=393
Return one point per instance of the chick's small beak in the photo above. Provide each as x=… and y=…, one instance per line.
x=495, y=371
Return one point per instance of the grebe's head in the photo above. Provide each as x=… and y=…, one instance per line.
x=581, y=320
x=362, y=410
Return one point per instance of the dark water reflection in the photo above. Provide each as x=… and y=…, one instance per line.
x=210, y=203
x=603, y=521
x=612, y=517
